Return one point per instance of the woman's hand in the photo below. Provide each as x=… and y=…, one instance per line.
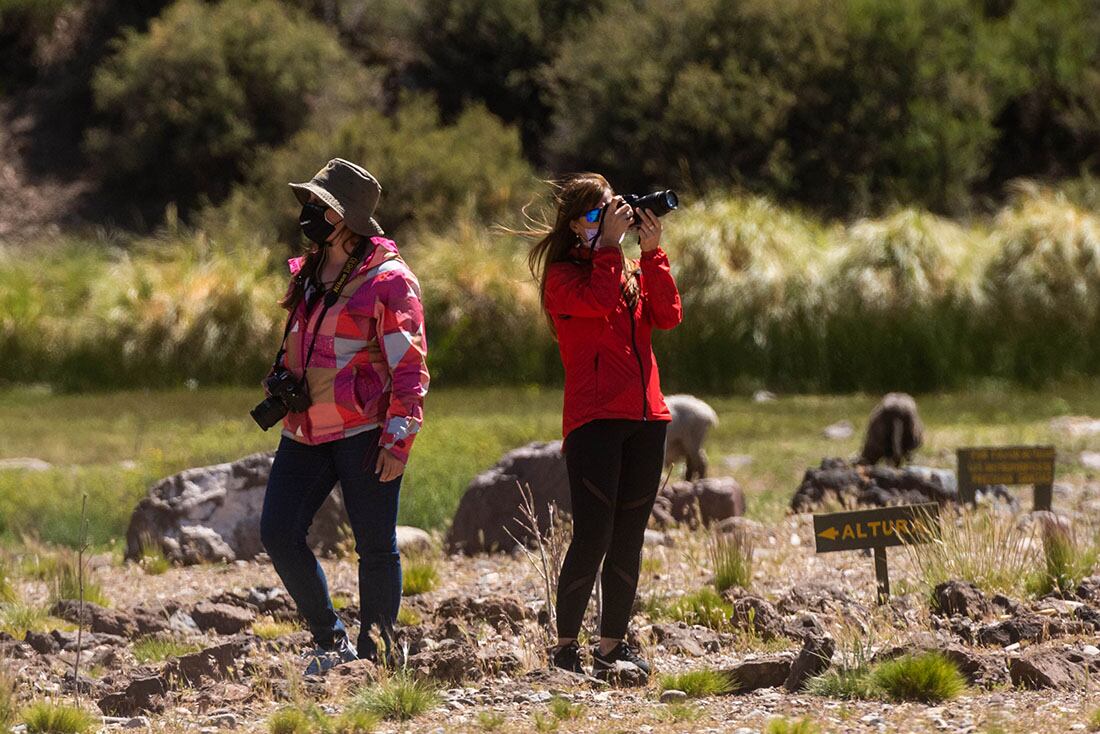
x=616, y=220
x=389, y=467
x=649, y=233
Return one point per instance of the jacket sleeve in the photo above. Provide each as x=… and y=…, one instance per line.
x=577, y=292
x=661, y=299
x=400, y=322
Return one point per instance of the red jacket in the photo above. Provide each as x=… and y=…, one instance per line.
x=610, y=370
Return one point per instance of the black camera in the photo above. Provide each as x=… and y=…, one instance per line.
x=285, y=395
x=659, y=202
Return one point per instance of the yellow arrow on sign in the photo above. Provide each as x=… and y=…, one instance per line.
x=828, y=534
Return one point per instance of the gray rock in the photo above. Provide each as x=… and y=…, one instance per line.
x=224, y=619
x=223, y=721
x=757, y=615
x=212, y=513
x=412, y=540
x=839, y=431
x=673, y=696
x=767, y=672
x=710, y=501
x=24, y=464
x=137, y=722
x=1038, y=669
x=680, y=639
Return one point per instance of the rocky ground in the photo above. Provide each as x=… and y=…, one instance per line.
x=1033, y=663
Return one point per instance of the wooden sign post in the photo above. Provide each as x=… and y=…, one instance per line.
x=981, y=467
x=877, y=529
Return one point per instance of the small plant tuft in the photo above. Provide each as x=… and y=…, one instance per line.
x=704, y=607
x=731, y=556
x=1094, y=721
x=490, y=720
x=565, y=710
x=268, y=629
x=354, y=720
x=65, y=583
x=47, y=717
x=290, y=720
x=7, y=589
x=408, y=617
x=400, y=697
x=153, y=561
x=157, y=649
x=419, y=576
x=699, y=683
x=781, y=725
x=1067, y=560
x=8, y=702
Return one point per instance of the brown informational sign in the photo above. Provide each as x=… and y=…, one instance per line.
x=877, y=529
x=981, y=467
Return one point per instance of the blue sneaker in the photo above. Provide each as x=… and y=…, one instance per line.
x=323, y=659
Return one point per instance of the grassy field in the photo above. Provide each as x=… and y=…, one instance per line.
x=112, y=446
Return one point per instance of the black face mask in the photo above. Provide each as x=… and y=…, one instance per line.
x=314, y=225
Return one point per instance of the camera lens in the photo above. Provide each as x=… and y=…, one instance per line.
x=671, y=199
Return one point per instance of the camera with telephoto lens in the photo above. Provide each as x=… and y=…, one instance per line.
x=659, y=202
x=285, y=395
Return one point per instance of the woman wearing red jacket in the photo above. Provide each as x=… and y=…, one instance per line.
x=603, y=310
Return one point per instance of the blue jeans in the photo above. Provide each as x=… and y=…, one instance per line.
x=301, y=478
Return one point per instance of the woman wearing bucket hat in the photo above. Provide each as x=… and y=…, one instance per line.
x=355, y=341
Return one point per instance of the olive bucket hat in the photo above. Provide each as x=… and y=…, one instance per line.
x=350, y=190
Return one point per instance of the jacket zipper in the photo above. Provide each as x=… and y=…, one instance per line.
x=641, y=370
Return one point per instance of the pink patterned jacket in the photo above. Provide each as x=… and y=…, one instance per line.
x=368, y=367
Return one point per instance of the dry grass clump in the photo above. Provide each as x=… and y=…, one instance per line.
x=704, y=607
x=8, y=701
x=398, y=698
x=269, y=629
x=805, y=725
x=48, y=717
x=1070, y=554
x=156, y=649
x=926, y=678
x=7, y=589
x=986, y=547
x=419, y=575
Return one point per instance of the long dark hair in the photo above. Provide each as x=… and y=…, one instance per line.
x=574, y=196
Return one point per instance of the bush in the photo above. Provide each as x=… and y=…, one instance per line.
x=844, y=106
x=418, y=576
x=699, y=683
x=703, y=607
x=1069, y=556
x=184, y=107
x=431, y=173
x=731, y=555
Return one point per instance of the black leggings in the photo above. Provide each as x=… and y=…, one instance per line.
x=614, y=471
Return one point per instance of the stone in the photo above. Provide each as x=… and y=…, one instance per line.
x=411, y=541
x=1038, y=669
x=141, y=694
x=1030, y=628
x=1089, y=615
x=673, y=696
x=42, y=643
x=758, y=616
x=451, y=662
x=959, y=597
x=763, y=396
x=1075, y=425
x=24, y=463
x=803, y=626
x=224, y=619
x=213, y=663
x=487, y=515
x=654, y=538
x=97, y=618
x=813, y=659
x=502, y=612
x=222, y=721
x=708, y=501
x=767, y=672
x=680, y=639
x=626, y=675
x=212, y=513
x=137, y=722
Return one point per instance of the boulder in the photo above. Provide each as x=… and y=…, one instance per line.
x=766, y=672
x=1024, y=628
x=680, y=639
x=450, y=662
x=880, y=485
x=487, y=515
x=110, y=621
x=1038, y=669
x=411, y=541
x=709, y=501
x=212, y=513
x=758, y=616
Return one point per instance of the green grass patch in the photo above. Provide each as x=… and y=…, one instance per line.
x=152, y=560
x=675, y=713
x=7, y=588
x=399, y=697
x=66, y=582
x=156, y=649
x=704, y=607
x=1069, y=556
x=269, y=629
x=46, y=717
x=419, y=575
x=353, y=720
x=699, y=683
x=292, y=720
x=490, y=720
x=563, y=709
x=926, y=678
x=9, y=705
x=784, y=725
x=16, y=619
x=1093, y=722
x=408, y=617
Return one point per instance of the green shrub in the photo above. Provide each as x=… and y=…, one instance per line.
x=1069, y=555
x=292, y=720
x=399, y=698
x=354, y=721
x=46, y=717
x=704, y=607
x=565, y=710
x=928, y=678
x=269, y=629
x=490, y=720
x=7, y=590
x=184, y=106
x=699, y=683
x=16, y=619
x=65, y=583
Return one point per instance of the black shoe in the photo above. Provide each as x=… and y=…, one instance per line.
x=567, y=657
x=604, y=665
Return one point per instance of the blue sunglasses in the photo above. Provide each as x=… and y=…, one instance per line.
x=593, y=215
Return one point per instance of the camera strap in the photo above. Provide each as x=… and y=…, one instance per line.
x=330, y=298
